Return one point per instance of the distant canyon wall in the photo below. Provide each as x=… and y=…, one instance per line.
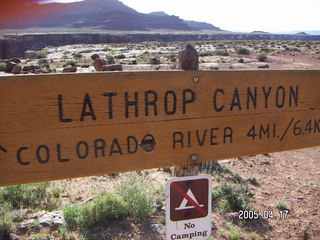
x=15, y=45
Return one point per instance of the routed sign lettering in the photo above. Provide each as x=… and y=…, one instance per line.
x=73, y=125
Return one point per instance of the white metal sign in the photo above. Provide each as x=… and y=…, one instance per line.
x=188, y=207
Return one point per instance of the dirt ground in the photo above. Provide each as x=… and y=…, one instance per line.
x=292, y=177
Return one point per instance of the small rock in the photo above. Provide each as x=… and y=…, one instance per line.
x=15, y=60
x=98, y=63
x=30, y=54
x=234, y=217
x=159, y=228
x=17, y=69
x=264, y=66
x=37, y=71
x=70, y=69
x=85, y=66
x=9, y=67
x=115, y=67
x=95, y=56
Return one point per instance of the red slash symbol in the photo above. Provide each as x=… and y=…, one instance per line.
x=190, y=200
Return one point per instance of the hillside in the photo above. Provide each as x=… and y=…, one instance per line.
x=96, y=14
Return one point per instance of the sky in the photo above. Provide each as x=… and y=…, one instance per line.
x=239, y=15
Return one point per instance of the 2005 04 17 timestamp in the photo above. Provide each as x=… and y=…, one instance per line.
x=266, y=214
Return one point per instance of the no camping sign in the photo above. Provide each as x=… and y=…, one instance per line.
x=188, y=207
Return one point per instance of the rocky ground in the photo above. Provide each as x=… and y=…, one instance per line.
x=214, y=55
x=290, y=177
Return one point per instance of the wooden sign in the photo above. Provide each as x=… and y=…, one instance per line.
x=72, y=125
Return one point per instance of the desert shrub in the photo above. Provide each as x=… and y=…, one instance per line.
x=205, y=54
x=262, y=58
x=221, y=53
x=23, y=196
x=243, y=51
x=134, y=62
x=2, y=66
x=77, y=55
x=86, y=51
x=43, y=63
x=42, y=54
x=106, y=206
x=120, y=56
x=233, y=233
x=237, y=177
x=253, y=179
x=141, y=195
x=232, y=197
x=282, y=205
x=70, y=63
x=6, y=221
x=214, y=168
x=70, y=213
x=241, y=60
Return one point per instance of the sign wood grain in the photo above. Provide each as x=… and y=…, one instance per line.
x=73, y=125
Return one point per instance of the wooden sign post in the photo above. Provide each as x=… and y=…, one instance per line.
x=74, y=125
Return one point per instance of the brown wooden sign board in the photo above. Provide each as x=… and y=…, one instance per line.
x=74, y=125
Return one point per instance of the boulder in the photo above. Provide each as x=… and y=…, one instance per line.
x=115, y=67
x=30, y=54
x=98, y=63
x=95, y=56
x=70, y=69
x=17, y=69
x=154, y=61
x=9, y=67
x=30, y=68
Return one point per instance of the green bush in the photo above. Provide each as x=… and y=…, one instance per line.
x=141, y=195
x=237, y=177
x=282, y=205
x=23, y=196
x=42, y=54
x=234, y=198
x=221, y=53
x=253, y=179
x=106, y=206
x=2, y=66
x=70, y=63
x=70, y=213
x=243, y=51
x=120, y=56
x=77, y=55
x=6, y=221
x=43, y=63
x=205, y=54
x=214, y=168
x=262, y=58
